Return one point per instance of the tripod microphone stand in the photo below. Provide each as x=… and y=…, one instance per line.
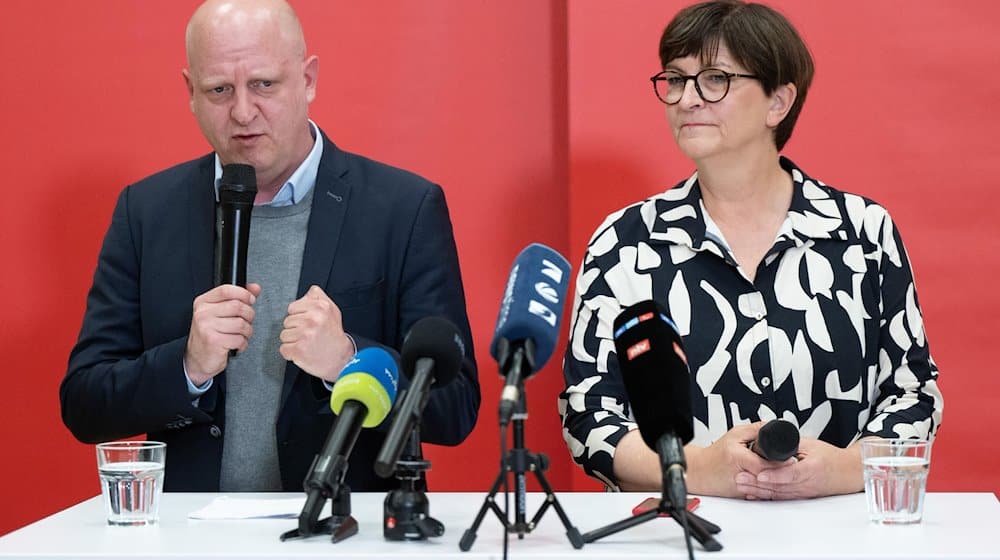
x=405, y=509
x=695, y=526
x=517, y=462
x=701, y=529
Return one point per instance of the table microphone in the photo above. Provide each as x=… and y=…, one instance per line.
x=655, y=372
x=776, y=441
x=431, y=356
x=361, y=398
x=650, y=355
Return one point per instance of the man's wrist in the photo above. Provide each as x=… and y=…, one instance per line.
x=353, y=349
x=195, y=388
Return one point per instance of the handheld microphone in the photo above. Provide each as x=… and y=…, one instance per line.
x=655, y=372
x=776, y=441
x=528, y=322
x=432, y=356
x=237, y=191
x=361, y=397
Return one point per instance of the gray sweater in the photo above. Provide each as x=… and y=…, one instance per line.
x=254, y=377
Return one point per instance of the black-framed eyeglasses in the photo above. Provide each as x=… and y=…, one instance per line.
x=712, y=84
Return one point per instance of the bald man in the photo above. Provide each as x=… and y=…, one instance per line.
x=345, y=253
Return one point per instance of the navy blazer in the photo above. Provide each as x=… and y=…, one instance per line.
x=380, y=244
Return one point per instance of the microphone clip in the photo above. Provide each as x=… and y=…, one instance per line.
x=517, y=363
x=506, y=351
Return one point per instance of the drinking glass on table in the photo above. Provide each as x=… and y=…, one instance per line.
x=131, y=475
x=895, y=479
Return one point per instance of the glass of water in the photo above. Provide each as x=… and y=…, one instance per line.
x=131, y=480
x=896, y=479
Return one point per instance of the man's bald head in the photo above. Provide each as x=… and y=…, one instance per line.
x=223, y=17
x=250, y=86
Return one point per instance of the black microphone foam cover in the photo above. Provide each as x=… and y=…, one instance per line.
x=238, y=183
x=438, y=339
x=655, y=372
x=777, y=440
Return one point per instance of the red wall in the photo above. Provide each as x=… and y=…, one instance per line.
x=538, y=120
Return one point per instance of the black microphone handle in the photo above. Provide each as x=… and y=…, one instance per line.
x=311, y=511
x=328, y=468
x=407, y=416
x=511, y=389
x=517, y=363
x=671, y=452
x=331, y=462
x=235, y=240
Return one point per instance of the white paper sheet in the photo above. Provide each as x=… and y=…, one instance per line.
x=228, y=507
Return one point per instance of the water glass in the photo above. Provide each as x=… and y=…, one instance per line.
x=131, y=480
x=896, y=479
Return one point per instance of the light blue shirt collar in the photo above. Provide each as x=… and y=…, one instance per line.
x=299, y=184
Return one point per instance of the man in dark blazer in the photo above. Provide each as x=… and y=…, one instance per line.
x=378, y=254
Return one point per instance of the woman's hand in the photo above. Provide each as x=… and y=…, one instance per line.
x=820, y=469
x=713, y=470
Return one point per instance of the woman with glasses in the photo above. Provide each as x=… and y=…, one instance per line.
x=794, y=300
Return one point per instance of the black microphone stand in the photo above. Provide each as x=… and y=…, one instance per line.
x=339, y=525
x=325, y=481
x=699, y=528
x=517, y=461
x=405, y=509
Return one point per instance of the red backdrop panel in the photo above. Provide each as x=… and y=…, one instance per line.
x=468, y=94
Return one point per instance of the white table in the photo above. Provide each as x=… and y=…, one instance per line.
x=955, y=526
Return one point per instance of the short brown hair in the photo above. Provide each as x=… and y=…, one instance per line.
x=759, y=38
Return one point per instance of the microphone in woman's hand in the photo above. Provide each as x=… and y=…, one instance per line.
x=776, y=441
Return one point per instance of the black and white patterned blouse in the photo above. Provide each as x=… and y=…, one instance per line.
x=829, y=334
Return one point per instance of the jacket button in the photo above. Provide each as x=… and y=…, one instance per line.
x=215, y=431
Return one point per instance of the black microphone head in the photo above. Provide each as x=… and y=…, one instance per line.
x=238, y=184
x=655, y=372
x=436, y=338
x=778, y=440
